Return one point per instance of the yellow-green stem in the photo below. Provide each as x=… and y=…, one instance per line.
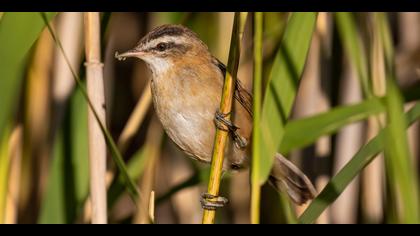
x=219, y=148
x=225, y=107
x=255, y=185
x=4, y=173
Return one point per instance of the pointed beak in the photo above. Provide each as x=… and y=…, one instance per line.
x=130, y=53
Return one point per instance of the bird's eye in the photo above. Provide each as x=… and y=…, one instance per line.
x=161, y=47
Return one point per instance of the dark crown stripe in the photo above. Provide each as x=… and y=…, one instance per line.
x=165, y=30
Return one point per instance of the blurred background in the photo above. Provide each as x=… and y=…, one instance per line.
x=44, y=174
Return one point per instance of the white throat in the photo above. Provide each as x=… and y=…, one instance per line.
x=158, y=66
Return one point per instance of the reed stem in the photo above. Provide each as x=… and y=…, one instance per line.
x=97, y=144
x=225, y=108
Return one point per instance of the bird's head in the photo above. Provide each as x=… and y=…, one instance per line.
x=166, y=46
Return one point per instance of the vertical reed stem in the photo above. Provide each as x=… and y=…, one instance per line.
x=4, y=173
x=225, y=107
x=255, y=187
x=97, y=145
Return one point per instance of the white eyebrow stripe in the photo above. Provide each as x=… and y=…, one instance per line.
x=176, y=39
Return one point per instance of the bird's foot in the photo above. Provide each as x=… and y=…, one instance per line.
x=211, y=202
x=221, y=122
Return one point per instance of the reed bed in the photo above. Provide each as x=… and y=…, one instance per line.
x=336, y=93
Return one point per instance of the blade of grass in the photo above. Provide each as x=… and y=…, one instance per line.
x=255, y=183
x=282, y=86
x=326, y=123
x=225, y=108
x=398, y=163
x=116, y=155
x=331, y=121
x=359, y=161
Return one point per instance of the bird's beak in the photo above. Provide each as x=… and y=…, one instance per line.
x=130, y=53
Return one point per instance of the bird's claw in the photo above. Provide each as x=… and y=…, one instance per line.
x=221, y=122
x=211, y=202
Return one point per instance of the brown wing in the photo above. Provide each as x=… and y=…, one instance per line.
x=241, y=94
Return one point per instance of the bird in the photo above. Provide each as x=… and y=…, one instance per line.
x=186, y=85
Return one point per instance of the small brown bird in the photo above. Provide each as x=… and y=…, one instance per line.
x=187, y=84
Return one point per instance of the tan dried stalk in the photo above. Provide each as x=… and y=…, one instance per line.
x=97, y=145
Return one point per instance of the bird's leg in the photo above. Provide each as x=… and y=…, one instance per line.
x=220, y=120
x=211, y=202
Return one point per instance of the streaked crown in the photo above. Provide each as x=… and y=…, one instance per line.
x=170, y=39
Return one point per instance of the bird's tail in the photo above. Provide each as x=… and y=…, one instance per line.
x=286, y=177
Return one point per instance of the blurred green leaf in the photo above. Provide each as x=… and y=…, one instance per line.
x=282, y=86
x=326, y=123
x=68, y=182
x=331, y=121
x=402, y=174
x=18, y=32
x=359, y=161
x=354, y=48
x=398, y=161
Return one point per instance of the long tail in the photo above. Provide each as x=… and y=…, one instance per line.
x=286, y=177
